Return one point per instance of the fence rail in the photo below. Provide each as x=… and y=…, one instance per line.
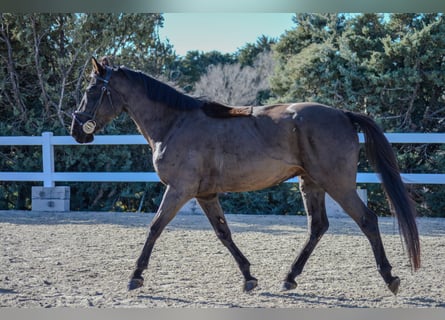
x=49, y=177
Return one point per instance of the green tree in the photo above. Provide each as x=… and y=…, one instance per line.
x=44, y=66
x=306, y=57
x=310, y=29
x=247, y=54
x=409, y=73
x=390, y=67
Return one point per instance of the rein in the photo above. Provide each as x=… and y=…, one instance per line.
x=89, y=126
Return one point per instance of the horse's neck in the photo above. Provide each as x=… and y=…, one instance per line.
x=154, y=120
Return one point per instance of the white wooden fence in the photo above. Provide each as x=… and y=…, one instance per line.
x=49, y=176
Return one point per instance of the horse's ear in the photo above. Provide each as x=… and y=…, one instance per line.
x=97, y=67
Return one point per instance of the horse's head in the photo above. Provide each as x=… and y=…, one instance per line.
x=100, y=104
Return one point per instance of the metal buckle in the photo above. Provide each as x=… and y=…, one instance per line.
x=89, y=126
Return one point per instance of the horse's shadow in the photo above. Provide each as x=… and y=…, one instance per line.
x=322, y=301
x=186, y=302
x=7, y=291
x=425, y=302
x=344, y=302
x=318, y=300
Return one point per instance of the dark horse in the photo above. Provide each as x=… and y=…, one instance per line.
x=202, y=148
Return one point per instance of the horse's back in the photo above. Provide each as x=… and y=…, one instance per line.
x=306, y=120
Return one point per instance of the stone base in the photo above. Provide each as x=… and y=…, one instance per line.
x=191, y=207
x=51, y=199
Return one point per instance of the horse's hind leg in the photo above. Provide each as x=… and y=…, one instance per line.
x=214, y=213
x=314, y=203
x=367, y=221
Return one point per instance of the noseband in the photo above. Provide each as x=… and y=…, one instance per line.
x=89, y=126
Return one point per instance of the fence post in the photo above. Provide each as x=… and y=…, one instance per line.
x=49, y=197
x=48, y=159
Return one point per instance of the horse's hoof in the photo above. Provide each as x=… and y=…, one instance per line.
x=135, y=283
x=288, y=285
x=394, y=285
x=249, y=285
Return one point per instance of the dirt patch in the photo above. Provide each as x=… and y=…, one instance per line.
x=84, y=259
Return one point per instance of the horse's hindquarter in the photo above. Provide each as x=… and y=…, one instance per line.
x=328, y=144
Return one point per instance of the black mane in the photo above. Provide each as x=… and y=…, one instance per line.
x=161, y=92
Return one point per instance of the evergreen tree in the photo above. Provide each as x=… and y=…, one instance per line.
x=390, y=67
x=44, y=67
x=247, y=55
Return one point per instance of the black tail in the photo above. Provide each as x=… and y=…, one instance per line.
x=382, y=158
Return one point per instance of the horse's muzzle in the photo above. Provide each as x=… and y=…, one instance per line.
x=84, y=138
x=82, y=128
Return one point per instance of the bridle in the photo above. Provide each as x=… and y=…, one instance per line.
x=89, y=125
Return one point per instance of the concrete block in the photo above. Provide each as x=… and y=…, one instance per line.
x=191, y=207
x=51, y=198
x=50, y=205
x=50, y=192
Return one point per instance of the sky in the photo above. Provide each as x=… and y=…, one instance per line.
x=224, y=32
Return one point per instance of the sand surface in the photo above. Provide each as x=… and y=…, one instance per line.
x=84, y=259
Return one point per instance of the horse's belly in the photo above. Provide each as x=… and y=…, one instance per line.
x=248, y=156
x=254, y=176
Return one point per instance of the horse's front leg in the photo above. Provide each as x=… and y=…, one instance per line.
x=172, y=201
x=214, y=213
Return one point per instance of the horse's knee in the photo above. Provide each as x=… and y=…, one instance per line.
x=319, y=229
x=369, y=222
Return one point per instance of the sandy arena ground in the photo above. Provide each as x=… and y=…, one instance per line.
x=84, y=259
